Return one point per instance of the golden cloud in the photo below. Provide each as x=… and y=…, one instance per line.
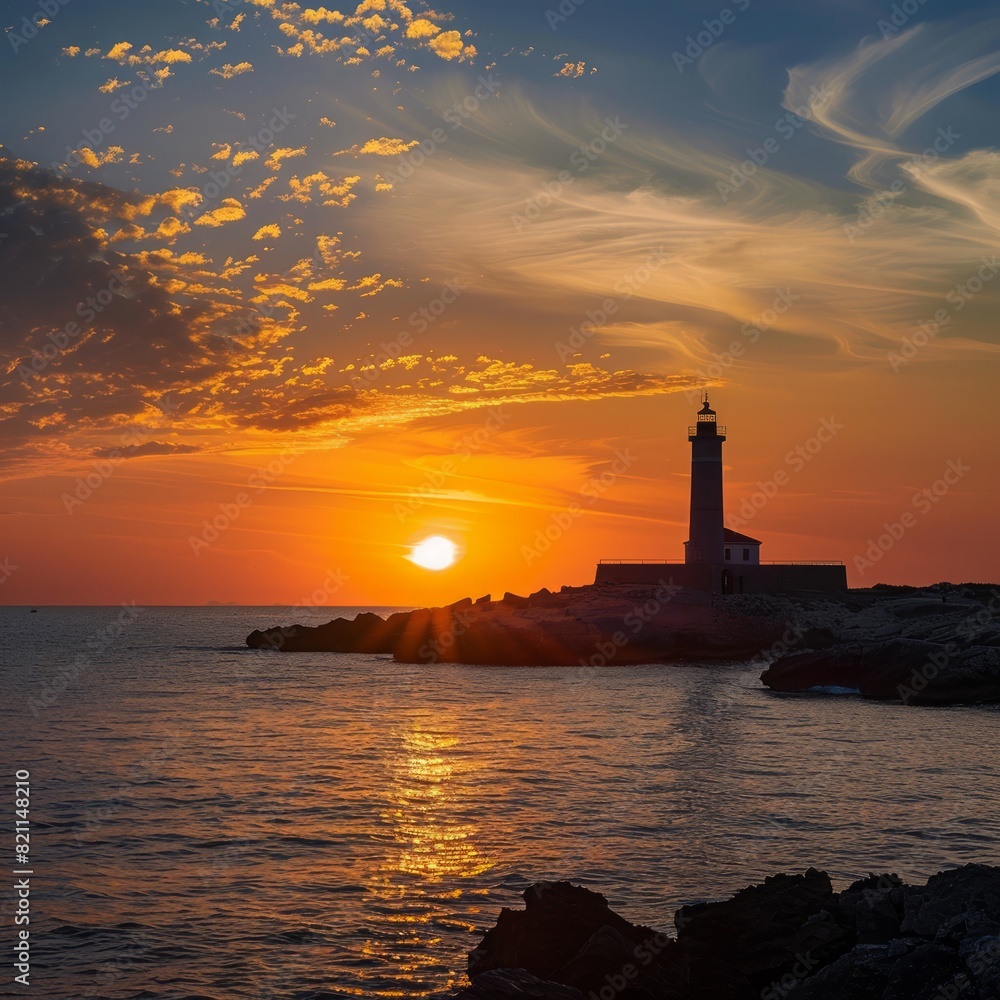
x=273, y=162
x=380, y=147
x=230, y=210
x=320, y=15
x=329, y=190
x=171, y=227
x=229, y=70
x=422, y=28
x=113, y=154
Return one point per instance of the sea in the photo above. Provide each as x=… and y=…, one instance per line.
x=216, y=822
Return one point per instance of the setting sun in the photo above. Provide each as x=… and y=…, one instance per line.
x=436, y=552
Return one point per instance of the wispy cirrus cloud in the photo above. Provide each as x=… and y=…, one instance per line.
x=733, y=237
x=875, y=93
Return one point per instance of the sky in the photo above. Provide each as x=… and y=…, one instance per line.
x=285, y=290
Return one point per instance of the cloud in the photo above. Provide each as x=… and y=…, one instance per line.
x=149, y=448
x=113, y=154
x=449, y=45
x=422, y=28
x=274, y=161
x=228, y=70
x=320, y=15
x=376, y=29
x=96, y=340
x=171, y=227
x=655, y=224
x=124, y=54
x=328, y=190
x=90, y=335
x=230, y=210
x=429, y=387
x=873, y=95
x=380, y=147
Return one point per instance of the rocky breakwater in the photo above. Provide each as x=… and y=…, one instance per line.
x=593, y=626
x=912, y=648
x=792, y=937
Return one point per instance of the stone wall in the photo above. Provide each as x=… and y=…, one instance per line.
x=776, y=578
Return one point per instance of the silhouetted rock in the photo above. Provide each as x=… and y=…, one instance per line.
x=901, y=669
x=367, y=633
x=764, y=930
x=515, y=601
x=789, y=937
x=502, y=984
x=970, y=894
x=557, y=922
x=840, y=666
x=583, y=625
x=817, y=638
x=873, y=907
x=893, y=643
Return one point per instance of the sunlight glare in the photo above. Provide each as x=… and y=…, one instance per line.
x=436, y=552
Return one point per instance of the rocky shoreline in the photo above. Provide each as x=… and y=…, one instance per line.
x=590, y=626
x=918, y=646
x=791, y=936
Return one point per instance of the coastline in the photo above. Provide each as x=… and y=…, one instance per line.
x=937, y=645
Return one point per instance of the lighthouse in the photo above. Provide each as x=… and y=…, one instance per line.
x=720, y=560
x=705, y=542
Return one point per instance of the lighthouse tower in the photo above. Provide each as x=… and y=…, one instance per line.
x=706, y=537
x=720, y=560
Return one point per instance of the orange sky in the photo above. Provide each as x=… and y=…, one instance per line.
x=341, y=520
x=439, y=279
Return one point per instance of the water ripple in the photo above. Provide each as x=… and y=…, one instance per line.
x=213, y=822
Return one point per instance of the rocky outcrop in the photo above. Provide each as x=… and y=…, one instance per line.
x=367, y=633
x=908, y=646
x=899, y=645
x=593, y=626
x=908, y=670
x=516, y=984
x=558, y=924
x=789, y=937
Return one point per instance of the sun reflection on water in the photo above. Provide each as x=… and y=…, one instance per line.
x=434, y=841
x=431, y=838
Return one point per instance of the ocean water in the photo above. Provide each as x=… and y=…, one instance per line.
x=213, y=821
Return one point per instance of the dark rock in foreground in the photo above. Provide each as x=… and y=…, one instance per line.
x=790, y=937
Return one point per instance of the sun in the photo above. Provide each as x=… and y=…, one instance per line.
x=436, y=552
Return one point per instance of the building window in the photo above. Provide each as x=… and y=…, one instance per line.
x=746, y=555
x=729, y=553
